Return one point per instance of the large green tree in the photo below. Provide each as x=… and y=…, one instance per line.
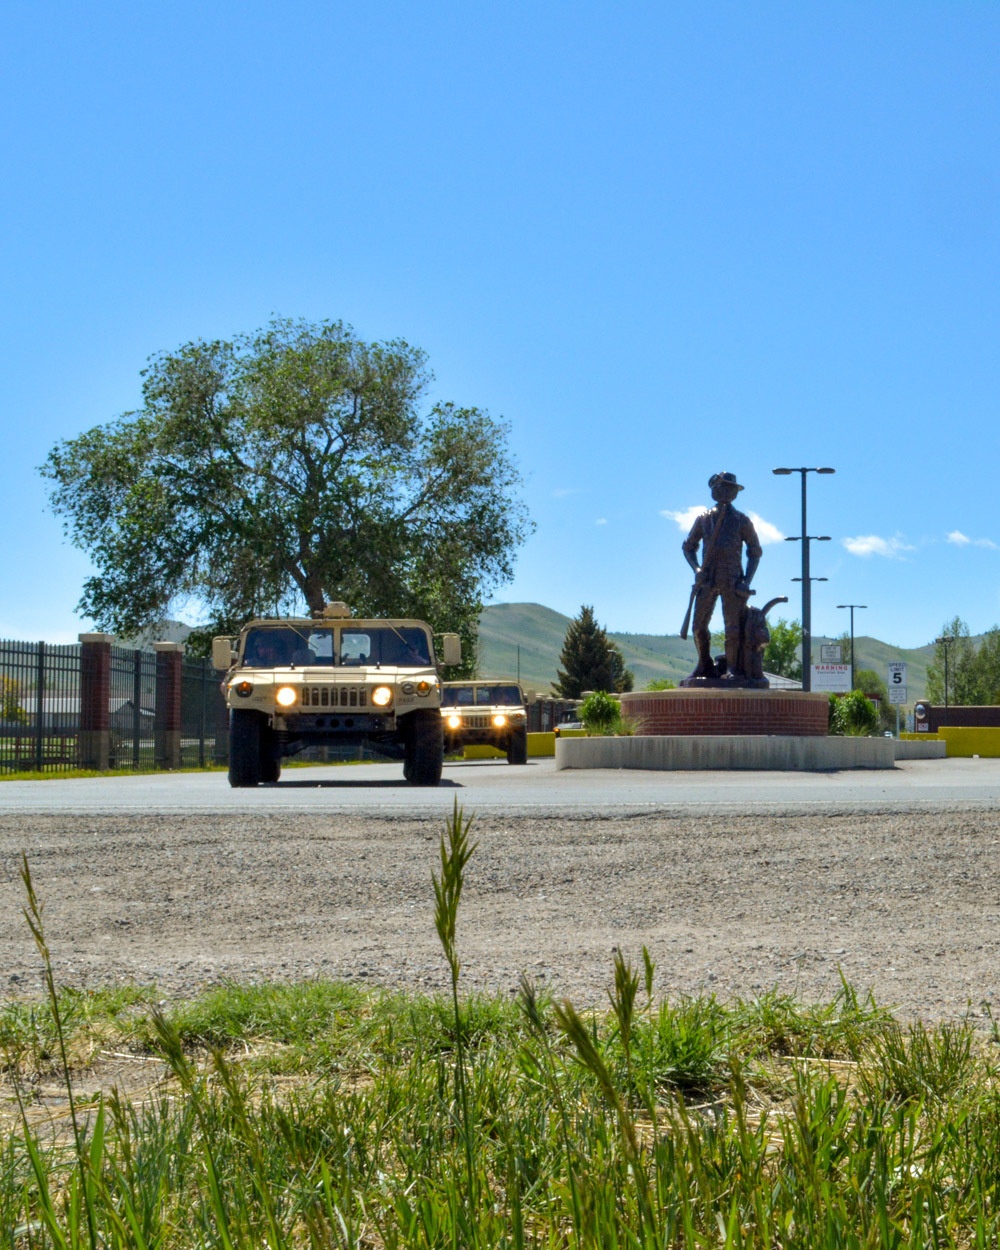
x=783, y=654
x=590, y=660
x=291, y=466
x=973, y=671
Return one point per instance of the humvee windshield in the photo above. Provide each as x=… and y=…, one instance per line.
x=277, y=646
x=480, y=696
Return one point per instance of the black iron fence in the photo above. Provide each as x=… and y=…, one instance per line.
x=41, y=712
x=67, y=707
x=39, y=706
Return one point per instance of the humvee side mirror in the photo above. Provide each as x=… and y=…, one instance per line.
x=223, y=655
x=451, y=649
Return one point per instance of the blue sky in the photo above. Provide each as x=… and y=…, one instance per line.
x=661, y=240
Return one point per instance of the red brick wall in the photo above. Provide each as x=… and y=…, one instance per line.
x=95, y=684
x=683, y=712
x=168, y=688
x=986, y=716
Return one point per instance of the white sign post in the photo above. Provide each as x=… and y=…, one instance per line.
x=897, y=687
x=832, y=678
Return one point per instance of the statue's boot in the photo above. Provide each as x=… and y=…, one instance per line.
x=733, y=658
x=706, y=665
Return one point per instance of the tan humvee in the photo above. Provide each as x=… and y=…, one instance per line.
x=291, y=684
x=485, y=712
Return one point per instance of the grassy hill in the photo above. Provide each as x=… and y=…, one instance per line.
x=528, y=638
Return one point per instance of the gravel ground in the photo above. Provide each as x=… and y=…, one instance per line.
x=905, y=903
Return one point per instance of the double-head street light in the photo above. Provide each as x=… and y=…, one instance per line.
x=852, y=606
x=945, y=642
x=805, y=538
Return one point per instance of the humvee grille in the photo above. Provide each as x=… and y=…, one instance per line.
x=476, y=722
x=334, y=696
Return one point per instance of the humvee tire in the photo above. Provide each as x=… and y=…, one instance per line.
x=245, y=748
x=424, y=749
x=517, y=747
x=270, y=757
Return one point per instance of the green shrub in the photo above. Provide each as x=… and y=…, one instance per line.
x=853, y=715
x=600, y=713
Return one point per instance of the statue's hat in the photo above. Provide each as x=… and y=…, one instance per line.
x=728, y=479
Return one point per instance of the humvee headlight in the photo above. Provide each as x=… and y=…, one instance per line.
x=382, y=696
x=454, y=722
x=243, y=688
x=499, y=720
x=285, y=696
x=423, y=687
x=407, y=687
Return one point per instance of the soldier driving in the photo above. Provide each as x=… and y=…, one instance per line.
x=722, y=533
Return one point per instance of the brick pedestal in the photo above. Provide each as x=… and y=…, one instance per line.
x=95, y=691
x=728, y=712
x=167, y=727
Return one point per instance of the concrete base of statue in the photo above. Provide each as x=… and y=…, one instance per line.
x=726, y=753
x=715, y=727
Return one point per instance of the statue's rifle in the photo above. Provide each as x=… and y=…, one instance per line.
x=707, y=550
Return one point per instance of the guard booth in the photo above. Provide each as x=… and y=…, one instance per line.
x=967, y=730
x=928, y=718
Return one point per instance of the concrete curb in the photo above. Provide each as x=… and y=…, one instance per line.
x=934, y=749
x=717, y=751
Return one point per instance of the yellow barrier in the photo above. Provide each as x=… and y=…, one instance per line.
x=538, y=745
x=966, y=740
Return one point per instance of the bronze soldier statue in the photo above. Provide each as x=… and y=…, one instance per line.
x=722, y=533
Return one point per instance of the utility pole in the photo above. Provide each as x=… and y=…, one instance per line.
x=805, y=538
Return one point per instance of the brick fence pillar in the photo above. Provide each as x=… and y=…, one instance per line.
x=220, y=716
x=95, y=692
x=167, y=725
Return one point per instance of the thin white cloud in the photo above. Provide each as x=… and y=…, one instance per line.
x=601, y=520
x=561, y=492
x=963, y=540
x=766, y=532
x=685, y=518
x=873, y=545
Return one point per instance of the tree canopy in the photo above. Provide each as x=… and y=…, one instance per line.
x=590, y=660
x=290, y=466
x=783, y=654
x=973, y=671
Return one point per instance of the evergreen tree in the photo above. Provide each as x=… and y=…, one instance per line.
x=623, y=678
x=956, y=658
x=973, y=671
x=590, y=660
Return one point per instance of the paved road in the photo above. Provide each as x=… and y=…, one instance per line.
x=487, y=786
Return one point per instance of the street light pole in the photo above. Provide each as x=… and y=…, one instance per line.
x=945, y=642
x=852, y=606
x=805, y=538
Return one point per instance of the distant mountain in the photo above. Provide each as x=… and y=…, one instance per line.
x=527, y=639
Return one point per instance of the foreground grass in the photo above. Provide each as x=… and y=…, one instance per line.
x=320, y=1114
